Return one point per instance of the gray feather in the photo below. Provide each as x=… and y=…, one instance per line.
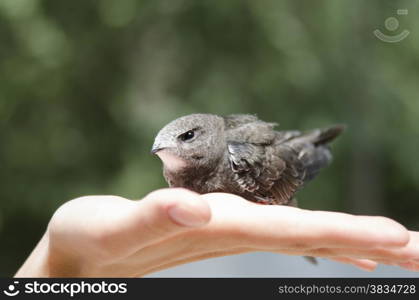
x=244, y=155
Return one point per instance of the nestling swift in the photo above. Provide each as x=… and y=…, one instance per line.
x=243, y=155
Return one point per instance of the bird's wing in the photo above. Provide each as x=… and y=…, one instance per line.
x=249, y=129
x=234, y=121
x=269, y=174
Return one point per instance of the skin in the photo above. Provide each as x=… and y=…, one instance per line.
x=116, y=237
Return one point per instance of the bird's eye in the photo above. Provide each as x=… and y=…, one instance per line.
x=188, y=135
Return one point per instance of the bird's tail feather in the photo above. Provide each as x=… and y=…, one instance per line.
x=313, y=150
x=319, y=137
x=326, y=135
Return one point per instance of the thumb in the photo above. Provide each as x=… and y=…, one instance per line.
x=175, y=206
x=166, y=212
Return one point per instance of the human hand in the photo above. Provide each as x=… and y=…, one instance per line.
x=99, y=236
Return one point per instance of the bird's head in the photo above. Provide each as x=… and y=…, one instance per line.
x=191, y=141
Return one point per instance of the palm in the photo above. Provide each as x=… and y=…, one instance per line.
x=113, y=236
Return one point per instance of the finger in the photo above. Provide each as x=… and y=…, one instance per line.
x=411, y=266
x=275, y=226
x=157, y=216
x=408, y=253
x=176, y=261
x=166, y=212
x=364, y=264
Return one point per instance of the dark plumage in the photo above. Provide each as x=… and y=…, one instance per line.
x=243, y=155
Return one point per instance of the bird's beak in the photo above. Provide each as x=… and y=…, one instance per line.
x=161, y=143
x=158, y=146
x=154, y=150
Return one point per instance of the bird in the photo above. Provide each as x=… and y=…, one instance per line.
x=242, y=155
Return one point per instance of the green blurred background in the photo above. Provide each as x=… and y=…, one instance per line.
x=85, y=86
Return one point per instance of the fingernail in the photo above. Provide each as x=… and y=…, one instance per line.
x=187, y=215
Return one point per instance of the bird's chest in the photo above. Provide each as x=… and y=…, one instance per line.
x=201, y=180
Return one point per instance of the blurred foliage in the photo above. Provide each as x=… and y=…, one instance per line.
x=85, y=86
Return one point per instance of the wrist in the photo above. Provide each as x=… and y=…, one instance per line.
x=48, y=261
